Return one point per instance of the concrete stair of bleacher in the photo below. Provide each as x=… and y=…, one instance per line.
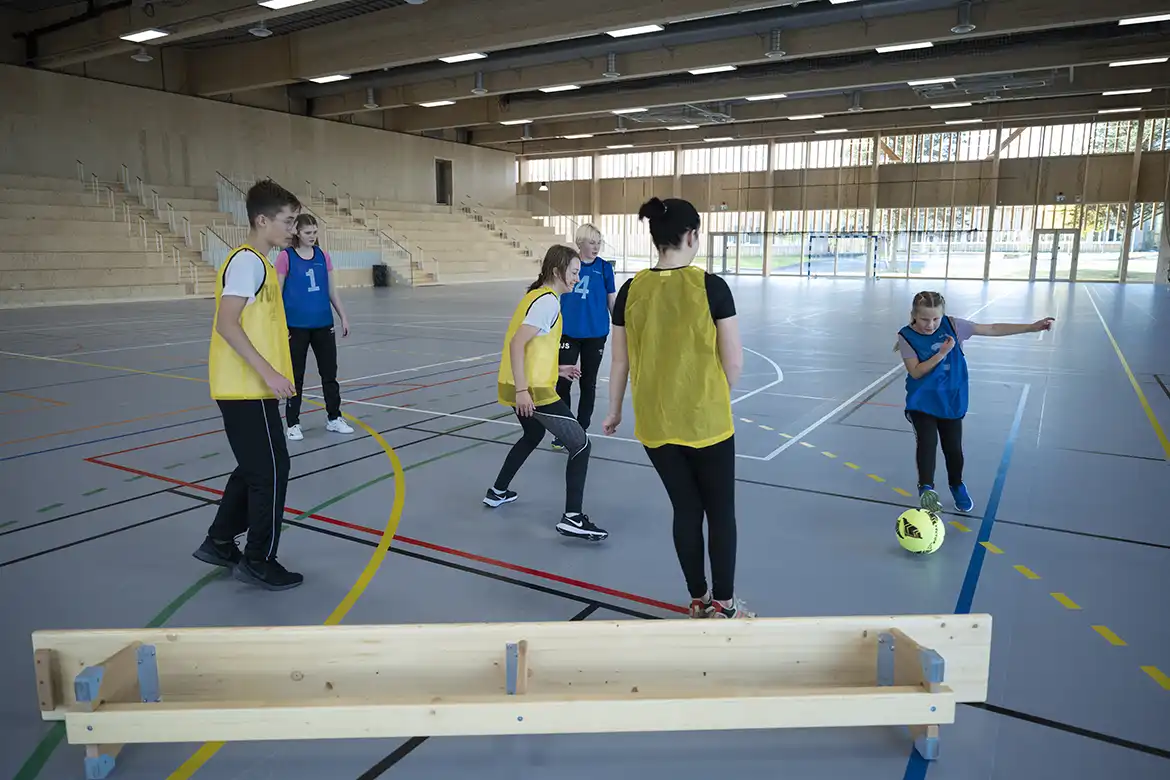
x=60, y=242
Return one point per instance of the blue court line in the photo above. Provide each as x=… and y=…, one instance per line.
x=917, y=766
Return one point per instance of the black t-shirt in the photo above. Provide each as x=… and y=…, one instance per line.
x=719, y=299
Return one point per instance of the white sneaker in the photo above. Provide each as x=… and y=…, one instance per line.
x=295, y=433
x=338, y=426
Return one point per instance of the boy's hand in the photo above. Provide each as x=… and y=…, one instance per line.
x=280, y=385
x=1044, y=324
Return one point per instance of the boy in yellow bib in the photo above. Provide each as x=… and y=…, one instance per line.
x=250, y=370
x=527, y=381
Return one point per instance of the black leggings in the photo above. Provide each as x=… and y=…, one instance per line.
x=589, y=351
x=557, y=420
x=702, y=481
x=928, y=430
x=324, y=347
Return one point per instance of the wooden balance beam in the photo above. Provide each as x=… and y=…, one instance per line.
x=117, y=687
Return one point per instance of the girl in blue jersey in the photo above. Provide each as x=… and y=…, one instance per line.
x=585, y=312
x=937, y=389
x=309, y=299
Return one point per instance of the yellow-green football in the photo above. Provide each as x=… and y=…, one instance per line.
x=920, y=531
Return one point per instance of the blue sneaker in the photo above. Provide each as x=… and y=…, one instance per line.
x=962, y=498
x=928, y=499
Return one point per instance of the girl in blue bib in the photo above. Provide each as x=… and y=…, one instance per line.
x=937, y=389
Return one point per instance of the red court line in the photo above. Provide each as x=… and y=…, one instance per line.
x=420, y=543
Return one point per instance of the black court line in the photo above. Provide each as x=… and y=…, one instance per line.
x=1110, y=454
x=409, y=746
x=1071, y=729
x=1086, y=534
x=1161, y=384
x=863, y=401
x=293, y=456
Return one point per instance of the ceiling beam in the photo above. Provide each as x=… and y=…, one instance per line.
x=398, y=36
x=864, y=32
x=916, y=120
x=98, y=37
x=1088, y=81
x=872, y=72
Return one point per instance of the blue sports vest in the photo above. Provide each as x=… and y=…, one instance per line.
x=585, y=308
x=943, y=392
x=306, y=291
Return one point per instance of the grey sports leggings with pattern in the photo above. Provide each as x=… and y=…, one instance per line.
x=557, y=419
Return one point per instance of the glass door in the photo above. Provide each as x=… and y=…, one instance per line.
x=721, y=253
x=1054, y=255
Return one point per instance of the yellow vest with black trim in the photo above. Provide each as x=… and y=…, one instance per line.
x=542, y=357
x=680, y=391
x=231, y=377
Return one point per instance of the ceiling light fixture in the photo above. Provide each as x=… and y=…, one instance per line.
x=938, y=106
x=963, y=25
x=142, y=36
x=775, y=51
x=620, y=111
x=260, y=30
x=806, y=116
x=576, y=137
x=276, y=5
x=640, y=30
x=142, y=55
x=904, y=47
x=777, y=96
x=1119, y=110
x=1145, y=19
x=479, y=88
x=1146, y=61
x=828, y=132
x=516, y=122
x=620, y=146
x=713, y=69
x=963, y=121
x=719, y=140
x=684, y=127
x=463, y=57
x=841, y=2
x=929, y=82
x=330, y=79
x=437, y=103
x=561, y=88
x=1145, y=91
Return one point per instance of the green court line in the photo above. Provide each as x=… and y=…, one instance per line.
x=5, y=525
x=93, y=492
x=135, y=478
x=208, y=455
x=49, y=507
x=45, y=748
x=172, y=466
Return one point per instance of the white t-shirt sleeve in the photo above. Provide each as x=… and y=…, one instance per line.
x=543, y=313
x=245, y=275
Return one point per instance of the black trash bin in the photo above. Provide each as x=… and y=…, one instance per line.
x=381, y=275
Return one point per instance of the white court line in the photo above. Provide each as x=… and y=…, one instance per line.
x=94, y=324
x=125, y=349
x=408, y=370
x=900, y=367
x=779, y=378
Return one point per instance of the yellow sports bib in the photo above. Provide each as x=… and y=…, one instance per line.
x=679, y=390
x=232, y=379
x=541, y=357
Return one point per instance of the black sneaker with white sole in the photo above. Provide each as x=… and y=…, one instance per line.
x=269, y=575
x=495, y=498
x=581, y=527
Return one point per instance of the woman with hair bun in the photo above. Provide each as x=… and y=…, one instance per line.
x=676, y=338
x=527, y=381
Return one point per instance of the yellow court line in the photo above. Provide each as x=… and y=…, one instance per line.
x=1027, y=572
x=1110, y=637
x=1158, y=675
x=102, y=365
x=828, y=455
x=902, y=492
x=209, y=749
x=766, y=428
x=992, y=548
x=1153, y=418
x=960, y=526
x=806, y=444
x=1065, y=601
x=853, y=466
x=876, y=478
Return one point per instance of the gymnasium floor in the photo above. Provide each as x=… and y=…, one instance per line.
x=111, y=456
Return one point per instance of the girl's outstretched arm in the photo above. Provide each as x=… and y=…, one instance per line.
x=1013, y=329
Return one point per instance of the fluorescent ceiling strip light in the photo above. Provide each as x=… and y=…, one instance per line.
x=1128, y=92
x=827, y=132
x=1119, y=110
x=641, y=30
x=713, y=69
x=276, y=5
x=806, y=116
x=1147, y=61
x=463, y=57
x=577, y=136
x=904, y=47
x=516, y=122
x=1145, y=19
x=963, y=121
x=719, y=140
x=330, y=79
x=937, y=106
x=620, y=111
x=841, y=2
x=620, y=146
x=561, y=88
x=777, y=96
x=144, y=35
x=437, y=103
x=684, y=127
x=928, y=82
